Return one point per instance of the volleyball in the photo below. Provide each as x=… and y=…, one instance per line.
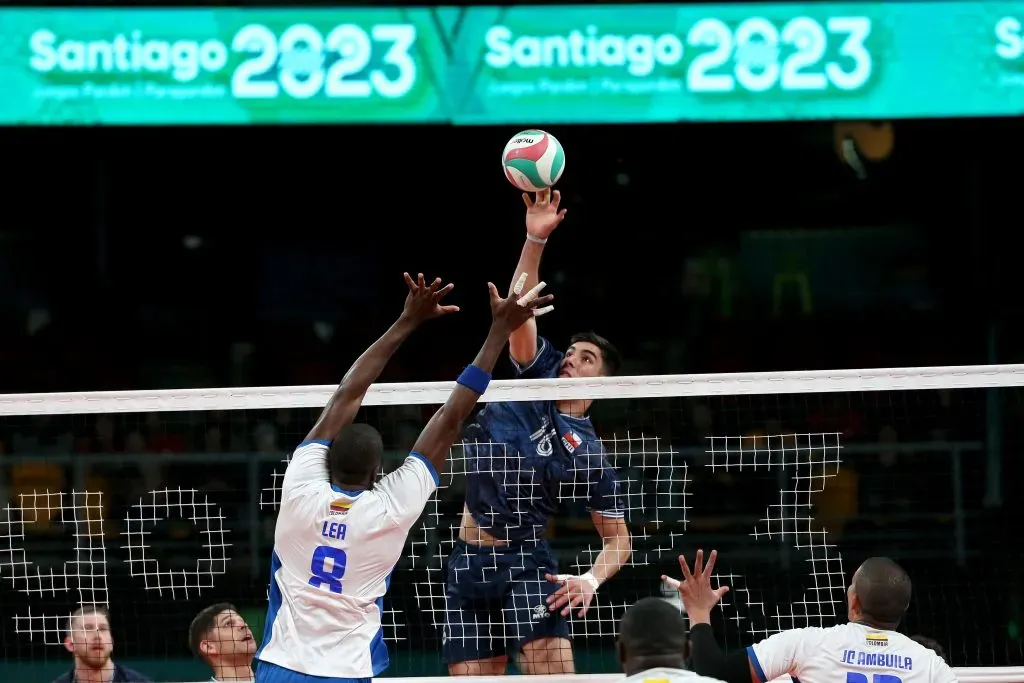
x=533, y=160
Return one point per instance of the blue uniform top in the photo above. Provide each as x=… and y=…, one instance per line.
x=523, y=457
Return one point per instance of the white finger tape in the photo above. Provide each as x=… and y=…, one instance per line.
x=517, y=288
x=542, y=311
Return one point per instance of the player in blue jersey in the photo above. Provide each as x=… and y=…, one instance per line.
x=339, y=531
x=504, y=595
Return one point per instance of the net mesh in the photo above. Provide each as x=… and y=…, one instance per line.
x=158, y=515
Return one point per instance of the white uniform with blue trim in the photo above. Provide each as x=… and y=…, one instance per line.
x=334, y=551
x=849, y=653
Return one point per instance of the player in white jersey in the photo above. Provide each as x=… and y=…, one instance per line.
x=866, y=650
x=339, y=532
x=652, y=644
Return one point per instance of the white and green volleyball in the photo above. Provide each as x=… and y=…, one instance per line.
x=533, y=160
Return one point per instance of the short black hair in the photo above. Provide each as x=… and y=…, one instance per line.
x=653, y=627
x=355, y=454
x=883, y=588
x=202, y=624
x=611, y=361
x=931, y=644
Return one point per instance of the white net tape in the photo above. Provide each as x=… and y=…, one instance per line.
x=654, y=485
x=596, y=388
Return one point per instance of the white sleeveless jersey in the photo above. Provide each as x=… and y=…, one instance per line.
x=849, y=653
x=666, y=675
x=334, y=551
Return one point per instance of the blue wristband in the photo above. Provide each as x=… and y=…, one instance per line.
x=474, y=378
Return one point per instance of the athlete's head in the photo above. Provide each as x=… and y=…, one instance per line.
x=652, y=634
x=879, y=594
x=88, y=637
x=219, y=636
x=354, y=456
x=590, y=355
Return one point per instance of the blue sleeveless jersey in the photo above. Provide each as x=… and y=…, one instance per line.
x=523, y=458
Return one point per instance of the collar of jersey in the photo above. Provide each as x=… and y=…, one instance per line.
x=351, y=493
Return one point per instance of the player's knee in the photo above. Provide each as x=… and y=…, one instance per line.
x=492, y=666
x=547, y=656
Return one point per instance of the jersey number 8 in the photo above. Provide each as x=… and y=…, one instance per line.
x=332, y=577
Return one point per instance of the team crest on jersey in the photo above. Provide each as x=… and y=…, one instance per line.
x=340, y=507
x=571, y=441
x=877, y=639
x=542, y=437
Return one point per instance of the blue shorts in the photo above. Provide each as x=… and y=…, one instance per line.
x=495, y=600
x=272, y=673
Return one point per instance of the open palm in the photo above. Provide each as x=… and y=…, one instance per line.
x=424, y=300
x=695, y=588
x=542, y=213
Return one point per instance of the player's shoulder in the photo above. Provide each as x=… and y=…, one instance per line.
x=417, y=463
x=922, y=653
x=544, y=346
x=313, y=445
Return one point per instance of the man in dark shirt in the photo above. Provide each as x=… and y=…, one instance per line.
x=88, y=639
x=503, y=593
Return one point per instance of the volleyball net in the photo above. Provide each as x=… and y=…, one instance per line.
x=157, y=504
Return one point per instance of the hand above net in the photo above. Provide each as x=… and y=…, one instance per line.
x=509, y=314
x=527, y=298
x=424, y=301
x=542, y=214
x=695, y=588
x=573, y=592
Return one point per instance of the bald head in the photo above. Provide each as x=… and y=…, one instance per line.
x=882, y=590
x=652, y=634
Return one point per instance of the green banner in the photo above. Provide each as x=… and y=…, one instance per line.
x=522, y=65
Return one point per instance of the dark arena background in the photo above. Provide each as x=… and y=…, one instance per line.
x=156, y=246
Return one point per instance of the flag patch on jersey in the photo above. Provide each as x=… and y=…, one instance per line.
x=340, y=507
x=877, y=639
x=571, y=441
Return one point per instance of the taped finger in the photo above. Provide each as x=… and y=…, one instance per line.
x=517, y=288
x=541, y=311
x=532, y=294
x=672, y=583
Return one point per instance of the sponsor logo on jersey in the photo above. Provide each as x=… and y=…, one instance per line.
x=340, y=507
x=877, y=639
x=571, y=441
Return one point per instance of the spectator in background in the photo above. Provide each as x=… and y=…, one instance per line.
x=221, y=638
x=88, y=639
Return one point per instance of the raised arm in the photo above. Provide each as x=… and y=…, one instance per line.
x=507, y=315
x=542, y=217
x=422, y=303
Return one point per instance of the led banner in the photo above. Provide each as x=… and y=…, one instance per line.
x=522, y=65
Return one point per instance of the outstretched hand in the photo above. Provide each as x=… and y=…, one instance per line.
x=424, y=301
x=509, y=314
x=695, y=588
x=542, y=214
